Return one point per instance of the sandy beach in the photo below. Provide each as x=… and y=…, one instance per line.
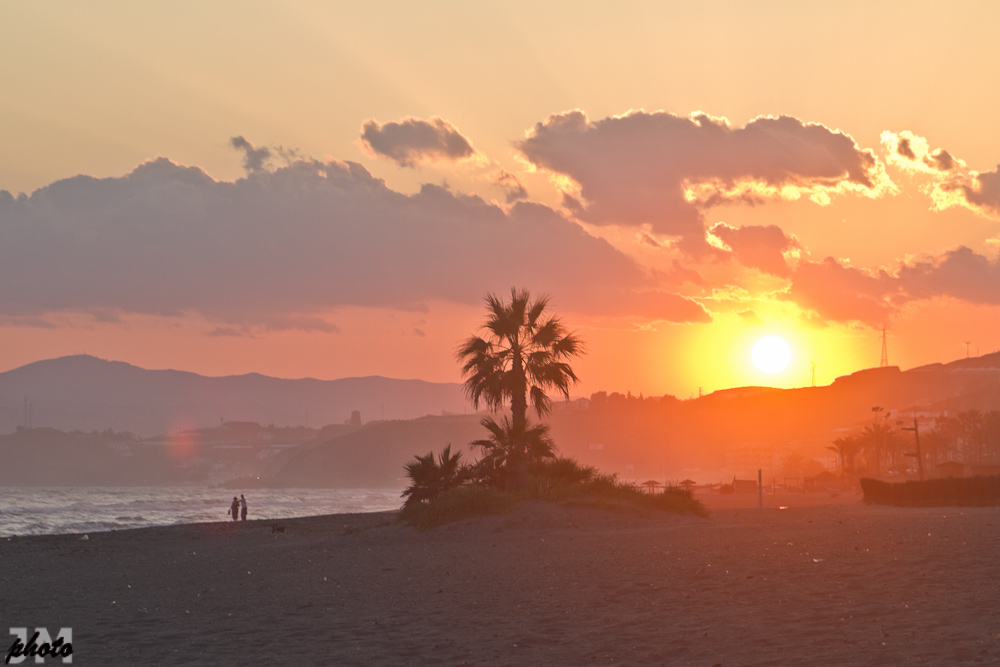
x=825, y=581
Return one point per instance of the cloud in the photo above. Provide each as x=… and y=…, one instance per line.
x=842, y=293
x=410, y=141
x=280, y=249
x=509, y=184
x=838, y=292
x=759, y=247
x=664, y=170
x=983, y=193
x=750, y=317
x=912, y=153
x=950, y=182
x=959, y=273
x=254, y=159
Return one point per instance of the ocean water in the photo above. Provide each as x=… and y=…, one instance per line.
x=51, y=511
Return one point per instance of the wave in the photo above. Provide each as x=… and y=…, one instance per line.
x=31, y=511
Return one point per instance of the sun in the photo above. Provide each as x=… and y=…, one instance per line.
x=771, y=354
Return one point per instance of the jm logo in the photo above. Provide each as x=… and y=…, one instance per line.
x=40, y=646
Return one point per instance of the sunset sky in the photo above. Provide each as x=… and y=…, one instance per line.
x=307, y=189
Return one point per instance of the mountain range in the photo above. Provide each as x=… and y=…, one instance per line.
x=261, y=439
x=84, y=392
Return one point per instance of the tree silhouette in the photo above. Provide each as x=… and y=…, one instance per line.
x=500, y=449
x=429, y=477
x=522, y=355
x=847, y=449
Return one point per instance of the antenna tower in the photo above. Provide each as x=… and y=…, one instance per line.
x=812, y=365
x=884, y=361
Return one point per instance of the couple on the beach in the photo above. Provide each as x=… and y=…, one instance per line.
x=239, y=507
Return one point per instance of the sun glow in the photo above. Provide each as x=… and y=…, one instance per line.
x=771, y=354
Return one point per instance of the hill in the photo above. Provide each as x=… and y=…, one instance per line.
x=84, y=392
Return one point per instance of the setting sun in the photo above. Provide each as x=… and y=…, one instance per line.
x=771, y=354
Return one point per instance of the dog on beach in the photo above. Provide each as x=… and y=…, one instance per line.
x=277, y=529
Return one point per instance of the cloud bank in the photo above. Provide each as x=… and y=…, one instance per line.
x=279, y=249
x=838, y=292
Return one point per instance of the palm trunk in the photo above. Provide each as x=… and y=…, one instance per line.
x=518, y=480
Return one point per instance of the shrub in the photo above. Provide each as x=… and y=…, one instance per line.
x=455, y=504
x=430, y=478
x=560, y=479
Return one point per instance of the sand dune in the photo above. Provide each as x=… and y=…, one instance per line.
x=825, y=581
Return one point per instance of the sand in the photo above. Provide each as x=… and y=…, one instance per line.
x=827, y=581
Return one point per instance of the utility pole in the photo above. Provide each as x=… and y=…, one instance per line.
x=967, y=348
x=884, y=361
x=875, y=433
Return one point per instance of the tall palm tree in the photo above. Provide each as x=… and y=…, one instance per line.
x=522, y=355
x=877, y=443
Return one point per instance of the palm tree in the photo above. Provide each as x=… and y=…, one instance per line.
x=502, y=448
x=522, y=355
x=846, y=448
x=877, y=444
x=430, y=477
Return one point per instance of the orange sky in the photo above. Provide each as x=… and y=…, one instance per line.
x=300, y=189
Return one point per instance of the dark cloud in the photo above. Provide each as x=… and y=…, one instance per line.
x=959, y=273
x=984, y=192
x=279, y=248
x=941, y=160
x=662, y=170
x=903, y=148
x=412, y=141
x=510, y=185
x=254, y=159
x=757, y=246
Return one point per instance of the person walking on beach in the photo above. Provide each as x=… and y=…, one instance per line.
x=234, y=509
x=243, y=508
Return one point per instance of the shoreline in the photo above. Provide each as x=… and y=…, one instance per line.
x=831, y=582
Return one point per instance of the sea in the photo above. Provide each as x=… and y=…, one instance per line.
x=54, y=511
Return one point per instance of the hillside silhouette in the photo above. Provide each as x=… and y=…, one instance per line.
x=84, y=392
x=734, y=430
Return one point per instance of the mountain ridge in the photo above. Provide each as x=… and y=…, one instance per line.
x=86, y=392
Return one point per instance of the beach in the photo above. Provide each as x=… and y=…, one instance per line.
x=827, y=580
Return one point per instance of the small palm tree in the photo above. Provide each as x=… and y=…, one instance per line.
x=430, y=477
x=507, y=444
x=847, y=449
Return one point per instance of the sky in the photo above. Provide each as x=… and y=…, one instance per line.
x=310, y=189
